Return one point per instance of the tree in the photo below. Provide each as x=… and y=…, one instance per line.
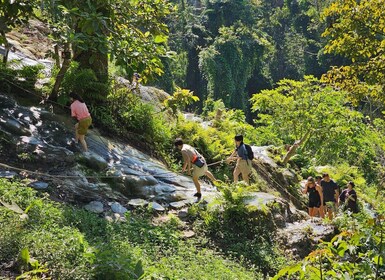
x=129, y=33
x=296, y=109
x=229, y=62
x=13, y=13
x=356, y=30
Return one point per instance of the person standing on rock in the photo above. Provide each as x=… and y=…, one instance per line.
x=241, y=156
x=331, y=193
x=348, y=198
x=79, y=111
x=315, y=197
x=198, y=162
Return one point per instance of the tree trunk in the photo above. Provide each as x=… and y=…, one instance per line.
x=293, y=149
x=60, y=76
x=6, y=48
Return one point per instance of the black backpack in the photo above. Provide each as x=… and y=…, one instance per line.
x=250, y=154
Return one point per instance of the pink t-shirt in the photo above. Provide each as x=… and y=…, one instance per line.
x=79, y=110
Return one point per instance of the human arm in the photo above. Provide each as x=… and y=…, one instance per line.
x=321, y=194
x=232, y=157
x=186, y=163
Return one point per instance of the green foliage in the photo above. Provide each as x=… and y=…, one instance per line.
x=355, y=30
x=18, y=78
x=229, y=62
x=180, y=99
x=337, y=131
x=83, y=82
x=355, y=253
x=241, y=231
x=70, y=243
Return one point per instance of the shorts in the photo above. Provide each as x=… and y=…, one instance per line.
x=83, y=125
x=199, y=171
x=314, y=203
x=243, y=166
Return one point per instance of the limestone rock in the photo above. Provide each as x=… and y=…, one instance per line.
x=7, y=174
x=157, y=207
x=39, y=185
x=137, y=202
x=95, y=207
x=116, y=207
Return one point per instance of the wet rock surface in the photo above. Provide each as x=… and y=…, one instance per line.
x=299, y=238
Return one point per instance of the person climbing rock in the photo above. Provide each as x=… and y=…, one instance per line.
x=79, y=111
x=315, y=197
x=348, y=198
x=331, y=193
x=198, y=162
x=241, y=156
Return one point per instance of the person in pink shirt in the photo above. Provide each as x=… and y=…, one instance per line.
x=79, y=111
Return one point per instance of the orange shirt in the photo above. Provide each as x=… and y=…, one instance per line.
x=79, y=110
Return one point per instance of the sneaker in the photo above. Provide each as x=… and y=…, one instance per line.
x=198, y=195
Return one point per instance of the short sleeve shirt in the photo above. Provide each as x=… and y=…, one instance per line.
x=328, y=190
x=242, y=152
x=79, y=110
x=188, y=153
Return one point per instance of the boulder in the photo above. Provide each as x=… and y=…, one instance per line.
x=95, y=207
x=116, y=207
x=93, y=161
x=156, y=207
x=39, y=185
x=137, y=202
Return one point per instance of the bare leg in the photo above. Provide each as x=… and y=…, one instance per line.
x=210, y=175
x=246, y=178
x=236, y=175
x=76, y=132
x=83, y=142
x=197, y=185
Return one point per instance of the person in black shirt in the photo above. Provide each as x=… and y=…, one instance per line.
x=348, y=198
x=315, y=197
x=330, y=193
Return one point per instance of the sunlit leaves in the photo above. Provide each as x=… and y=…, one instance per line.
x=356, y=30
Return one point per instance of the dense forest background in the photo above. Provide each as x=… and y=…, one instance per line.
x=230, y=50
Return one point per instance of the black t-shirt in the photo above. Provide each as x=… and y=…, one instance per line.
x=328, y=190
x=351, y=204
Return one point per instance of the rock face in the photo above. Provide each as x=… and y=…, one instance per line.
x=41, y=141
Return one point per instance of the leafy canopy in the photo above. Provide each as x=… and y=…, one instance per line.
x=356, y=30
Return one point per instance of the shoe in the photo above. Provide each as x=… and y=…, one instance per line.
x=198, y=195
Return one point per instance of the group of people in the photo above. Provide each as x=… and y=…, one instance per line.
x=196, y=166
x=324, y=196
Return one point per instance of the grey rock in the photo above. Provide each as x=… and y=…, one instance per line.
x=39, y=185
x=180, y=204
x=156, y=206
x=116, y=207
x=93, y=161
x=7, y=174
x=14, y=127
x=137, y=202
x=95, y=207
x=182, y=214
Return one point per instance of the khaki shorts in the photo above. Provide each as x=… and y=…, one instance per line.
x=199, y=171
x=243, y=166
x=83, y=125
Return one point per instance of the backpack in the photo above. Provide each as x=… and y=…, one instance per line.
x=250, y=154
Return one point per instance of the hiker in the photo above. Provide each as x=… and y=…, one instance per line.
x=135, y=81
x=198, y=162
x=243, y=158
x=318, y=180
x=330, y=193
x=79, y=111
x=315, y=197
x=348, y=198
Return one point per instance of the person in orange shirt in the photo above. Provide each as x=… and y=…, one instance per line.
x=79, y=111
